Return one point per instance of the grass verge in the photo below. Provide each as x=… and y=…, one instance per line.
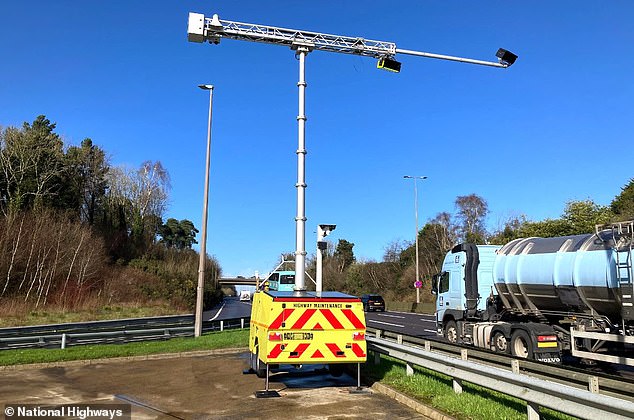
x=436, y=390
x=211, y=341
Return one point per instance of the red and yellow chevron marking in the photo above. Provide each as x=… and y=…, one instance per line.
x=277, y=323
x=335, y=350
x=316, y=319
x=291, y=352
x=276, y=351
x=299, y=350
x=358, y=351
x=301, y=330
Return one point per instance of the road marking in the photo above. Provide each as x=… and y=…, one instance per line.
x=431, y=331
x=386, y=323
x=410, y=313
x=428, y=320
x=392, y=316
x=219, y=310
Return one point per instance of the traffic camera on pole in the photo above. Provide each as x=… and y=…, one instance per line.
x=213, y=30
x=322, y=232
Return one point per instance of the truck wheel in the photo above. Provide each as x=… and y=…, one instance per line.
x=521, y=345
x=451, y=331
x=500, y=343
x=335, y=369
x=259, y=366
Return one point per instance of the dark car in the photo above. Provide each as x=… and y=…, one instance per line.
x=373, y=303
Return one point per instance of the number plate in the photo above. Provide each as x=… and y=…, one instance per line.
x=298, y=336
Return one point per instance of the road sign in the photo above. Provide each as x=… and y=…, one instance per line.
x=418, y=284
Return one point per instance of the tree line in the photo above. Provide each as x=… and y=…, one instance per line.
x=394, y=276
x=74, y=227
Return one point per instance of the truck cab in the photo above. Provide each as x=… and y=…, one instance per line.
x=468, y=309
x=463, y=285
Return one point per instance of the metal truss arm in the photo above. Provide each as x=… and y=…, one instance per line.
x=213, y=29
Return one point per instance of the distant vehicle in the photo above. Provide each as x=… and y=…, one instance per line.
x=245, y=295
x=373, y=303
x=282, y=281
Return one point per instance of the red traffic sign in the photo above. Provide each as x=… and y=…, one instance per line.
x=418, y=284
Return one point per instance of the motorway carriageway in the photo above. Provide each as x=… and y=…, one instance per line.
x=407, y=323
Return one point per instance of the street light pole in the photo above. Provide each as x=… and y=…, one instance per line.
x=198, y=322
x=416, y=217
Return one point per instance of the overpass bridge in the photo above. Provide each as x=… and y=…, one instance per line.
x=237, y=281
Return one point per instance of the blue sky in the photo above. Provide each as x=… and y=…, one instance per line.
x=554, y=127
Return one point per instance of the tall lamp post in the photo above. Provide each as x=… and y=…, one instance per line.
x=198, y=322
x=415, y=178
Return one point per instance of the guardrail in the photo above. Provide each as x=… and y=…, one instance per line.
x=536, y=392
x=108, y=332
x=581, y=378
x=108, y=325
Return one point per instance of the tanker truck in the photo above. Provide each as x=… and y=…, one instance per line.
x=542, y=298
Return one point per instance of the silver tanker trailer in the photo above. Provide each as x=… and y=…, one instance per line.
x=539, y=298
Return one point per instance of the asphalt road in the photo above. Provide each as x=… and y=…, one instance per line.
x=230, y=308
x=419, y=325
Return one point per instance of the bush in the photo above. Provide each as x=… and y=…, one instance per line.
x=177, y=271
x=49, y=258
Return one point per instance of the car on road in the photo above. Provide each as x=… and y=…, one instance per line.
x=373, y=303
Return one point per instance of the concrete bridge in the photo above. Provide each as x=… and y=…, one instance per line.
x=237, y=281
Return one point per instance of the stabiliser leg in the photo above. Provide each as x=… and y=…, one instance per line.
x=266, y=393
x=359, y=389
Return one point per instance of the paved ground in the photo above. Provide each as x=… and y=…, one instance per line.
x=197, y=387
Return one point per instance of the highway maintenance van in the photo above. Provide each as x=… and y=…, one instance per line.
x=306, y=328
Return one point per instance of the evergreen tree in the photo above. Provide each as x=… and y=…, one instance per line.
x=623, y=204
x=344, y=254
x=31, y=162
x=178, y=234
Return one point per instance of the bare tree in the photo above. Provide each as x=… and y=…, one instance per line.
x=48, y=254
x=393, y=251
x=471, y=212
x=138, y=199
x=151, y=189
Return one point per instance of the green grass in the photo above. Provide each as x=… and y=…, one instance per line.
x=216, y=340
x=434, y=389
